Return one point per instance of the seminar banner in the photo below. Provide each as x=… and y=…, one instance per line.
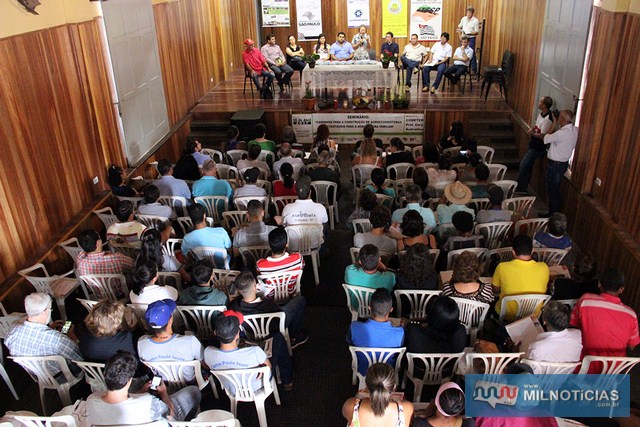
x=309, y=14
x=394, y=17
x=275, y=13
x=426, y=19
x=358, y=13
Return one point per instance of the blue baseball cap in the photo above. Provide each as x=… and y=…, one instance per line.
x=159, y=312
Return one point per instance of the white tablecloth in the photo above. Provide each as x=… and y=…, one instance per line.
x=350, y=76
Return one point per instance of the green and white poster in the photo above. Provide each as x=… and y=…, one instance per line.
x=275, y=13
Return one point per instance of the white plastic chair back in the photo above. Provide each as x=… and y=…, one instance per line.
x=609, y=365
x=281, y=283
x=551, y=367
x=494, y=232
x=326, y=193
x=549, y=256
x=494, y=363
x=486, y=153
x=453, y=150
x=72, y=246
x=93, y=375
x=251, y=254
x=200, y=317
x=107, y=216
x=400, y=171
x=360, y=174
x=174, y=374
x=374, y=355
x=472, y=315
x=58, y=421
x=434, y=366
x=231, y=219
x=186, y=225
x=223, y=278
x=236, y=155
x=263, y=176
x=307, y=239
x=178, y=203
x=87, y=303
x=215, y=155
x=508, y=187
x=152, y=221
x=417, y=300
x=568, y=302
x=416, y=151
x=400, y=185
x=504, y=254
x=263, y=183
x=531, y=226
x=227, y=172
x=45, y=283
x=214, y=205
x=210, y=418
x=496, y=172
x=362, y=297
x=105, y=286
x=454, y=254
x=361, y=225
x=172, y=246
x=258, y=326
x=520, y=206
x=266, y=156
x=242, y=202
x=384, y=200
x=527, y=304
x=219, y=256
x=125, y=249
x=479, y=204
x=355, y=255
x=281, y=201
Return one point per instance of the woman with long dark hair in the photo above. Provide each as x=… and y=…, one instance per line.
x=442, y=331
x=322, y=48
x=144, y=289
x=378, y=178
x=151, y=251
x=117, y=184
x=285, y=186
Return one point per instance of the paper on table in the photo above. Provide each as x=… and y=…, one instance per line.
x=525, y=331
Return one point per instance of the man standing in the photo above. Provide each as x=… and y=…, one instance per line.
x=275, y=58
x=256, y=65
x=561, y=144
x=341, y=50
x=461, y=59
x=412, y=57
x=470, y=26
x=390, y=47
x=440, y=54
x=544, y=123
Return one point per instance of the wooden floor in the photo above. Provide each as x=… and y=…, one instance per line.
x=228, y=97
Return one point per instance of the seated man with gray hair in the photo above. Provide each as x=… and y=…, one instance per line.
x=556, y=237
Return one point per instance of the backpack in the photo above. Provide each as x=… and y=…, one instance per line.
x=266, y=93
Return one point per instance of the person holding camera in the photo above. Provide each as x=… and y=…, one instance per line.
x=561, y=144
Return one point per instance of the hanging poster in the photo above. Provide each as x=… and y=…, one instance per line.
x=358, y=13
x=394, y=17
x=426, y=19
x=309, y=14
x=275, y=13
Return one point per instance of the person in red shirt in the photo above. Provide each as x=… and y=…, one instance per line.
x=608, y=326
x=256, y=65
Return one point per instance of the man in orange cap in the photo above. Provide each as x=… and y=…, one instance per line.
x=256, y=65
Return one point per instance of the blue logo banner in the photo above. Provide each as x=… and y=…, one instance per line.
x=528, y=395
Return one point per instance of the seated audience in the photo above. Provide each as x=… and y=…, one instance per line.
x=413, y=195
x=250, y=187
x=367, y=131
x=117, y=184
x=495, y=213
x=304, y=211
x=446, y=409
x=455, y=138
x=323, y=138
x=252, y=161
x=202, y=291
x=233, y=142
x=210, y=185
x=583, y=280
x=286, y=157
x=202, y=235
x=479, y=191
x=378, y=186
x=37, y=335
x=127, y=229
x=609, y=328
x=378, y=331
x=151, y=206
x=369, y=272
x=378, y=409
x=255, y=232
x=397, y=153
x=465, y=281
x=430, y=154
x=522, y=275
x=168, y=185
x=380, y=222
x=421, y=179
x=323, y=171
x=260, y=131
x=144, y=289
x=442, y=176
x=117, y=407
x=463, y=222
x=416, y=271
x=187, y=167
x=442, y=332
x=367, y=155
x=285, y=186
x=412, y=229
x=151, y=251
x=279, y=261
x=557, y=344
x=468, y=173
x=94, y=260
x=557, y=237
x=458, y=195
x=194, y=147
x=366, y=202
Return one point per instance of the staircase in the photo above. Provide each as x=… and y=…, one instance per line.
x=210, y=133
x=496, y=132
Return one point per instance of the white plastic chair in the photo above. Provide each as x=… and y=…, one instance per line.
x=360, y=175
x=400, y=171
x=263, y=183
x=227, y=172
x=551, y=367
x=152, y=221
x=568, y=302
x=520, y=206
x=107, y=216
x=238, y=384
x=242, y=202
x=434, y=365
x=306, y=240
x=494, y=363
x=126, y=249
x=504, y=254
x=200, y=317
x=531, y=226
x=549, y=256
x=399, y=185
x=326, y=193
x=526, y=304
x=494, y=232
x=186, y=225
x=215, y=155
x=281, y=201
x=266, y=156
x=87, y=303
x=224, y=278
x=486, y=152
x=609, y=365
x=374, y=355
x=5, y=325
x=175, y=374
x=281, y=283
x=56, y=286
x=472, y=315
x=384, y=200
x=37, y=368
x=172, y=246
x=416, y=151
x=213, y=205
x=355, y=255
x=360, y=295
x=72, y=246
x=496, y=172
x=178, y=203
x=453, y=150
x=260, y=326
x=251, y=254
x=454, y=254
x=105, y=286
x=210, y=418
x=219, y=256
x=93, y=375
x=361, y=225
x=236, y=155
x=231, y=219
x=37, y=421
x=479, y=204
x=508, y=187
x=418, y=300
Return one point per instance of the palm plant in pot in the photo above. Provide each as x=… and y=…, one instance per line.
x=311, y=59
x=309, y=98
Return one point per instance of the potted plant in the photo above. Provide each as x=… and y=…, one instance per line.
x=399, y=98
x=386, y=58
x=309, y=99
x=311, y=59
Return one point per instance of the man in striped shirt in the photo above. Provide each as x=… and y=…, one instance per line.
x=280, y=261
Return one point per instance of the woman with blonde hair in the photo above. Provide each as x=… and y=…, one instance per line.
x=368, y=154
x=107, y=329
x=378, y=410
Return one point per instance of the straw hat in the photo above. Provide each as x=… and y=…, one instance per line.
x=457, y=193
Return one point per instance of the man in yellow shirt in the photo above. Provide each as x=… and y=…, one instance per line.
x=520, y=276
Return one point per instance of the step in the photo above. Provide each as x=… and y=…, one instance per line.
x=211, y=125
x=208, y=139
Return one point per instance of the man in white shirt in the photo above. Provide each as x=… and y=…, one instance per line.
x=440, y=54
x=412, y=57
x=275, y=58
x=470, y=26
x=561, y=145
x=461, y=59
x=286, y=157
x=304, y=211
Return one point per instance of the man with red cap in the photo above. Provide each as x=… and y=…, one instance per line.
x=256, y=65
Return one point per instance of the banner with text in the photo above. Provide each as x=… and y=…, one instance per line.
x=426, y=19
x=275, y=13
x=358, y=13
x=347, y=128
x=394, y=17
x=309, y=14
